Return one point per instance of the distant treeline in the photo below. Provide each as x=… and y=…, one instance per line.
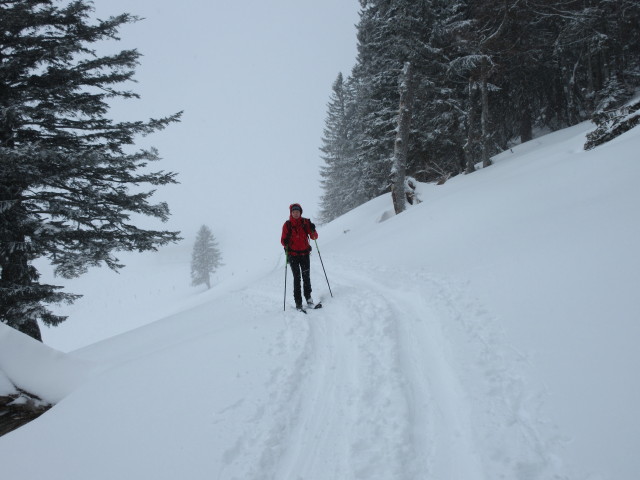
x=484, y=76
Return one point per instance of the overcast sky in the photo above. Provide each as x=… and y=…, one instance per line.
x=253, y=78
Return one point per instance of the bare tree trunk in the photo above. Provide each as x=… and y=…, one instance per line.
x=484, y=117
x=569, y=86
x=401, y=146
x=471, y=146
x=526, y=127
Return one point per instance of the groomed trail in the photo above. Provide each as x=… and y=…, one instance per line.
x=369, y=387
x=401, y=376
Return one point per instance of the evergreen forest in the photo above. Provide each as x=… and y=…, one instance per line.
x=471, y=79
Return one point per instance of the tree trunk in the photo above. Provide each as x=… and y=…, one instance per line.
x=485, y=118
x=401, y=146
x=526, y=127
x=569, y=86
x=471, y=146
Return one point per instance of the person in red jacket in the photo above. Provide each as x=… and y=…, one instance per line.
x=295, y=239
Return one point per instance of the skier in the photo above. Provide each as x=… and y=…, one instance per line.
x=295, y=239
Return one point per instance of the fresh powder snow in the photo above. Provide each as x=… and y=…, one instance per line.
x=489, y=332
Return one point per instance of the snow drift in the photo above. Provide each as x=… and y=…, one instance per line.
x=36, y=368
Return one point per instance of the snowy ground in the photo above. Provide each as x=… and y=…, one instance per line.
x=488, y=333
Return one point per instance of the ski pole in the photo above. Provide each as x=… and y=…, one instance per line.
x=325, y=272
x=286, y=263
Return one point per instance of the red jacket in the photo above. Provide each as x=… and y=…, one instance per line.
x=296, y=234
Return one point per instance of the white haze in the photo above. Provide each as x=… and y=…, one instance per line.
x=253, y=79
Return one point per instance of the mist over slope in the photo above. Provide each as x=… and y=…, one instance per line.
x=488, y=332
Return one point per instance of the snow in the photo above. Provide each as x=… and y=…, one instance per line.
x=488, y=332
x=6, y=387
x=36, y=368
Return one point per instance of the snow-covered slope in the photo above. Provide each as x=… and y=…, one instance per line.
x=486, y=333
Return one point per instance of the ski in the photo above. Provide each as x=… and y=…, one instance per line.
x=315, y=306
x=304, y=310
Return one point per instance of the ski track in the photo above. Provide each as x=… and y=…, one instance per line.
x=370, y=388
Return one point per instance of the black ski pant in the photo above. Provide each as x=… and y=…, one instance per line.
x=300, y=266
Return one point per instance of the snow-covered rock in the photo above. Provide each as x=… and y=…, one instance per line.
x=37, y=368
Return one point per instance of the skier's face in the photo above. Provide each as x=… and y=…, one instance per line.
x=295, y=213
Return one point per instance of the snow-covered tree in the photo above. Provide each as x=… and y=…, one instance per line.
x=68, y=182
x=205, y=259
x=339, y=173
x=487, y=74
x=390, y=33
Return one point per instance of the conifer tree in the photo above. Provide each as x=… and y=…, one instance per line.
x=390, y=33
x=69, y=178
x=205, y=259
x=488, y=74
x=339, y=175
